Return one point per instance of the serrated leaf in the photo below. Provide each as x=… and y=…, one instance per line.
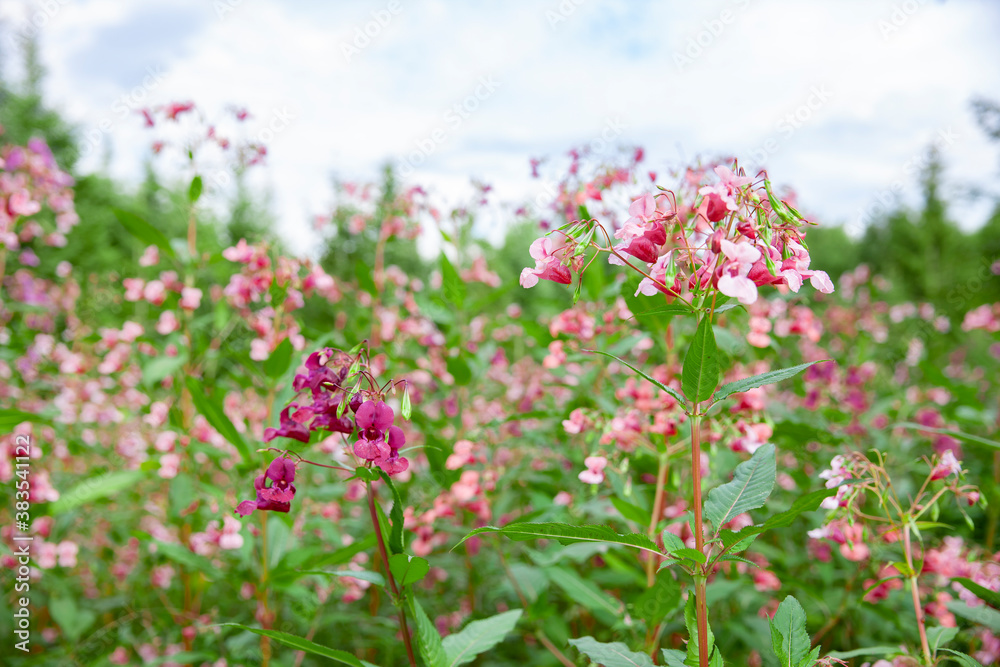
x=407, y=569
x=963, y=659
x=659, y=600
x=211, y=409
x=734, y=542
x=302, y=644
x=478, y=637
x=789, y=637
x=755, y=381
x=991, y=598
x=691, y=622
x=142, y=230
x=673, y=657
x=672, y=392
x=614, y=654
x=567, y=534
x=700, y=374
x=428, y=640
x=277, y=364
x=749, y=489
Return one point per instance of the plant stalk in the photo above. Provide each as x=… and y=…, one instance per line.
x=699, y=536
x=389, y=577
x=661, y=480
x=921, y=627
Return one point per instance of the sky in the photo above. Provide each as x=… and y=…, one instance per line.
x=839, y=99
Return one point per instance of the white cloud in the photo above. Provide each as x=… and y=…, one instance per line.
x=559, y=86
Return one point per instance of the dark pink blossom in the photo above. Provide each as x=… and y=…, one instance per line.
x=278, y=496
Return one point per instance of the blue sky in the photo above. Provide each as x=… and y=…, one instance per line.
x=838, y=99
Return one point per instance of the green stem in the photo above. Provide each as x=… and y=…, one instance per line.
x=921, y=627
x=661, y=479
x=388, y=575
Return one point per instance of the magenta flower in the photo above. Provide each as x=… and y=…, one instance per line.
x=378, y=440
x=278, y=496
x=548, y=264
x=290, y=427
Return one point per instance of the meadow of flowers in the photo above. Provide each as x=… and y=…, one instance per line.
x=655, y=432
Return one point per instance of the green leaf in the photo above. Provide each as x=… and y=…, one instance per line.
x=158, y=368
x=981, y=615
x=749, y=489
x=478, y=637
x=459, y=369
x=755, y=381
x=992, y=598
x=701, y=364
x=968, y=437
x=963, y=659
x=396, y=515
x=789, y=637
x=672, y=392
x=584, y=592
x=451, y=283
x=870, y=650
x=364, y=575
x=939, y=636
x=614, y=654
x=567, y=534
x=428, y=640
x=673, y=657
x=183, y=556
x=407, y=569
x=631, y=512
x=11, y=418
x=95, y=488
x=194, y=191
x=691, y=621
x=659, y=600
x=73, y=620
x=142, y=230
x=302, y=644
x=734, y=542
x=212, y=411
x=277, y=364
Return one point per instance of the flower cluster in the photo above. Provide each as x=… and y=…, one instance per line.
x=732, y=238
x=29, y=178
x=277, y=496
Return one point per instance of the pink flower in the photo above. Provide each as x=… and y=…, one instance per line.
x=190, y=298
x=547, y=265
x=150, y=257
x=133, y=288
x=948, y=465
x=155, y=292
x=734, y=281
x=168, y=323
x=594, y=474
